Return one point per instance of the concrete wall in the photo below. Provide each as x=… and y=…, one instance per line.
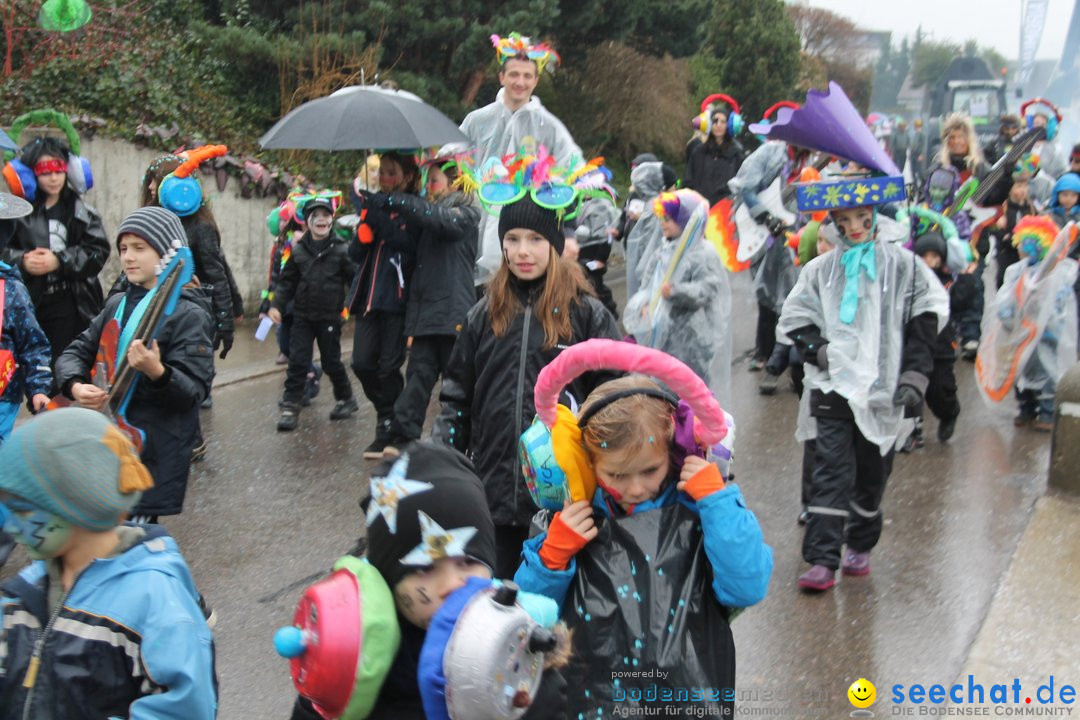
x=118, y=169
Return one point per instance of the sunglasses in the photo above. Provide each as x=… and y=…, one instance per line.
x=550, y=196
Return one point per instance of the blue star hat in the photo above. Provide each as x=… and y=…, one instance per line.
x=849, y=192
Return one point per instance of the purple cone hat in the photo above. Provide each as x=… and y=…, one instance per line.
x=829, y=123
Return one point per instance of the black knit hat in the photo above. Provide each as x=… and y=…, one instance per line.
x=159, y=227
x=932, y=241
x=526, y=214
x=425, y=505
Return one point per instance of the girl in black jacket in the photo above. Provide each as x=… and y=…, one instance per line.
x=175, y=369
x=380, y=290
x=60, y=248
x=441, y=289
x=536, y=305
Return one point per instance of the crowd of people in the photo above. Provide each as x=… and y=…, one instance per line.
x=484, y=266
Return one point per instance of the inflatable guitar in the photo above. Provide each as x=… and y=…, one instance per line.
x=984, y=217
x=111, y=372
x=752, y=234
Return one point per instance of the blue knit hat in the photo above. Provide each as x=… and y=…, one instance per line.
x=74, y=463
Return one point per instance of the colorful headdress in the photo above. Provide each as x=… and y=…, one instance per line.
x=1027, y=168
x=461, y=162
x=330, y=199
x=1034, y=234
x=506, y=180
x=520, y=47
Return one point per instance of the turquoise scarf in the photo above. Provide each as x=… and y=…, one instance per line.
x=854, y=258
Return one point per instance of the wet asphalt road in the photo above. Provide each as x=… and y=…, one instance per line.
x=267, y=513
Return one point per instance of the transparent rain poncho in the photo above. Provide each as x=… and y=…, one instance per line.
x=495, y=132
x=864, y=355
x=694, y=324
x=648, y=181
x=1029, y=331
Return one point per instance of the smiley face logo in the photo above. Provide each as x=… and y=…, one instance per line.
x=862, y=693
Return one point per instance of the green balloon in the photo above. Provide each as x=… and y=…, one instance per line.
x=64, y=15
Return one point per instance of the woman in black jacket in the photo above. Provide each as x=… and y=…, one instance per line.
x=536, y=305
x=175, y=370
x=441, y=289
x=712, y=163
x=60, y=248
x=204, y=239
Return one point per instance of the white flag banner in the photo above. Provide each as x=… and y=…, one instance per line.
x=1031, y=29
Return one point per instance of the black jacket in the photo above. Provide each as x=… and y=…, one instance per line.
x=315, y=278
x=167, y=411
x=87, y=250
x=382, y=282
x=441, y=288
x=710, y=166
x=487, y=393
x=211, y=269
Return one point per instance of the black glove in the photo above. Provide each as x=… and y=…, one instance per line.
x=907, y=397
x=550, y=700
x=224, y=340
x=818, y=356
x=774, y=224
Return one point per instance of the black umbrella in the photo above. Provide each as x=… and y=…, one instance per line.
x=363, y=118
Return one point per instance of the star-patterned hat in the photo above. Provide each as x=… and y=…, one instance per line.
x=849, y=192
x=426, y=505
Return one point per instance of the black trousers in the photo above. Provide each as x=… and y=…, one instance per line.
x=508, y=542
x=846, y=487
x=327, y=333
x=59, y=318
x=428, y=358
x=765, y=339
x=378, y=354
x=941, y=392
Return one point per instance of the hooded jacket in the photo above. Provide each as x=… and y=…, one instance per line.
x=496, y=131
x=385, y=264
x=212, y=270
x=80, y=262
x=711, y=165
x=315, y=277
x=487, y=392
x=441, y=288
x=128, y=640
x=25, y=339
x=167, y=411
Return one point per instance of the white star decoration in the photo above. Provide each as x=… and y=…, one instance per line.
x=388, y=492
x=438, y=543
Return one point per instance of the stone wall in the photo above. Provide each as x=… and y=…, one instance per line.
x=118, y=169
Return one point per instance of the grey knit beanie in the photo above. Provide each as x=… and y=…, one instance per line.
x=159, y=227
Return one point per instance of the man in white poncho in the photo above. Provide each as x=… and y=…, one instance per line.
x=516, y=120
x=864, y=316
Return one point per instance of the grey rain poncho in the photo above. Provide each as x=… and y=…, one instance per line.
x=1029, y=331
x=864, y=356
x=648, y=181
x=495, y=131
x=694, y=324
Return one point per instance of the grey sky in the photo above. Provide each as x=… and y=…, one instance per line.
x=994, y=23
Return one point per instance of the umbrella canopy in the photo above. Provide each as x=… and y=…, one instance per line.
x=363, y=118
x=6, y=143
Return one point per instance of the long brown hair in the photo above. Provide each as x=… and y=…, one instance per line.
x=564, y=283
x=158, y=171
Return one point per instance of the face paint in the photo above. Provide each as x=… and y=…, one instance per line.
x=43, y=533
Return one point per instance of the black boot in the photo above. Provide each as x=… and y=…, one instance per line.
x=290, y=417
